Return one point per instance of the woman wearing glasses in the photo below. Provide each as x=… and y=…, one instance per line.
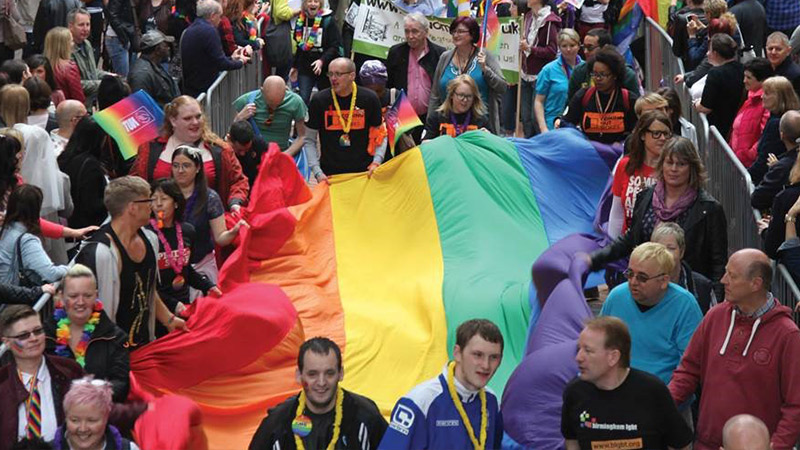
x=636, y=170
x=462, y=110
x=604, y=111
x=678, y=196
x=467, y=59
x=81, y=330
x=204, y=211
x=185, y=124
x=318, y=43
x=87, y=406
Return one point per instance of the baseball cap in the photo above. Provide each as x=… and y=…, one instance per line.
x=153, y=38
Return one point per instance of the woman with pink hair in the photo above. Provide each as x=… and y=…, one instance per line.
x=86, y=409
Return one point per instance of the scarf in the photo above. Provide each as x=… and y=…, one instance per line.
x=668, y=214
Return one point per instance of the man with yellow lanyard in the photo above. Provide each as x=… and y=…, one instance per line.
x=454, y=410
x=347, y=118
x=322, y=415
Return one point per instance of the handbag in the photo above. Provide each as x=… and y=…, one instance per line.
x=27, y=278
x=13, y=34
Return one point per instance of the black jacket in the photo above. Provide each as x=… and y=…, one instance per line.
x=397, y=63
x=328, y=51
x=119, y=14
x=17, y=295
x=51, y=14
x=88, y=182
x=752, y=20
x=154, y=80
x=770, y=142
x=680, y=37
x=791, y=71
x=705, y=227
x=775, y=234
x=774, y=180
x=106, y=355
x=362, y=425
x=699, y=285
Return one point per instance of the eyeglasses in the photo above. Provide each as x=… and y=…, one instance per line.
x=640, y=277
x=676, y=164
x=459, y=31
x=338, y=74
x=463, y=97
x=182, y=166
x=145, y=200
x=658, y=134
x=600, y=75
x=26, y=335
x=589, y=48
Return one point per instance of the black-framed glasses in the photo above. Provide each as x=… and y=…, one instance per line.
x=145, y=200
x=589, y=48
x=338, y=74
x=463, y=97
x=640, y=277
x=658, y=134
x=26, y=335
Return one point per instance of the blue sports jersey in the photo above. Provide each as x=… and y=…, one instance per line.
x=426, y=418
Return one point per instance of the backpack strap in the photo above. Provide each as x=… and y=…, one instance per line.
x=251, y=98
x=626, y=99
x=588, y=95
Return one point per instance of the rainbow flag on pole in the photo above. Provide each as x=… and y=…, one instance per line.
x=132, y=121
x=400, y=118
x=491, y=27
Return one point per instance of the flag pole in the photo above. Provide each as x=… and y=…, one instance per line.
x=519, y=131
x=486, y=6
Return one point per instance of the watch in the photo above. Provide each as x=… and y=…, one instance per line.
x=787, y=218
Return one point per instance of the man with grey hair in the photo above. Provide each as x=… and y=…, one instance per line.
x=80, y=26
x=745, y=432
x=201, y=50
x=778, y=51
x=68, y=114
x=411, y=64
x=778, y=173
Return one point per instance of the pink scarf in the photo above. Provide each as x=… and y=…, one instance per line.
x=669, y=214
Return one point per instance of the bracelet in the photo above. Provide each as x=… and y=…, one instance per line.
x=171, y=318
x=789, y=219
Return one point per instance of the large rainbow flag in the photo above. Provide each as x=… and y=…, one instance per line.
x=387, y=266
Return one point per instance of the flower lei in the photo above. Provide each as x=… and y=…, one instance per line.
x=312, y=36
x=337, y=421
x=451, y=387
x=63, y=332
x=250, y=24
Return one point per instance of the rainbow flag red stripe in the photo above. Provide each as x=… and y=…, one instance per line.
x=132, y=121
x=400, y=119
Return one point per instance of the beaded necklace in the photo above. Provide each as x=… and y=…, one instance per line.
x=250, y=24
x=309, y=43
x=177, y=263
x=301, y=426
x=63, y=332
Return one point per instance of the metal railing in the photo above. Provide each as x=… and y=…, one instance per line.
x=729, y=182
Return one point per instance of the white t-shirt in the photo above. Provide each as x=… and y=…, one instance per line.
x=49, y=423
x=591, y=14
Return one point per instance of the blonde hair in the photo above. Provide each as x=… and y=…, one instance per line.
x=478, y=108
x=57, y=45
x=122, y=191
x=652, y=99
x=782, y=87
x=568, y=33
x=15, y=104
x=78, y=271
x=16, y=134
x=714, y=9
x=657, y=252
x=171, y=112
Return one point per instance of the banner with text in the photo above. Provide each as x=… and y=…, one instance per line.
x=379, y=25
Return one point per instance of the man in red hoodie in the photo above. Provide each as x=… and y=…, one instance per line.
x=746, y=354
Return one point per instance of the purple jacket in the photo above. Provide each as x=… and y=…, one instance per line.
x=545, y=48
x=62, y=372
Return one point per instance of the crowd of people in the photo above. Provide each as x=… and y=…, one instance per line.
x=684, y=326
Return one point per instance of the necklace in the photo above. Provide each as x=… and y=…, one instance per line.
x=177, y=263
x=63, y=332
x=463, y=127
x=311, y=40
x=344, y=139
x=301, y=425
x=451, y=387
x=250, y=25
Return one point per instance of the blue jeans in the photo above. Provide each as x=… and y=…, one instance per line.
x=120, y=56
x=306, y=84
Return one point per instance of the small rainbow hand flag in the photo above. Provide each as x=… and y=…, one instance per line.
x=132, y=121
x=491, y=27
x=400, y=118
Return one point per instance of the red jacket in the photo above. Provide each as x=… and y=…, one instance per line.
x=62, y=372
x=68, y=79
x=748, y=367
x=231, y=184
x=748, y=126
x=225, y=30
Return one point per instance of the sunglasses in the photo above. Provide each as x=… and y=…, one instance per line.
x=26, y=335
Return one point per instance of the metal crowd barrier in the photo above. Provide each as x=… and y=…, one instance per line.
x=729, y=182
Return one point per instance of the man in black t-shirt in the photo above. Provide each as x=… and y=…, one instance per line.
x=322, y=411
x=611, y=406
x=344, y=116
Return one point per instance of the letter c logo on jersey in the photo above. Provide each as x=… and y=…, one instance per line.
x=402, y=419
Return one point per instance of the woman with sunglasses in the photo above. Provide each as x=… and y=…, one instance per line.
x=604, y=111
x=81, y=330
x=636, y=170
x=467, y=59
x=87, y=406
x=204, y=211
x=462, y=110
x=678, y=196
